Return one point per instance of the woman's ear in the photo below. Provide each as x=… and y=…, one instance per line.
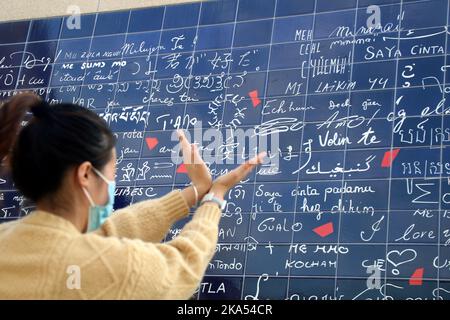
x=83, y=172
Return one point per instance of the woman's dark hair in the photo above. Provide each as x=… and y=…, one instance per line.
x=55, y=139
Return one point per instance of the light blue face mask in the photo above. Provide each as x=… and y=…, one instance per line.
x=98, y=214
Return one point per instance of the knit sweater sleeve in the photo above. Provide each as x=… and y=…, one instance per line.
x=148, y=220
x=124, y=268
x=174, y=270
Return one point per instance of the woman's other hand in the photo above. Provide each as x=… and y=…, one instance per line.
x=196, y=168
x=227, y=181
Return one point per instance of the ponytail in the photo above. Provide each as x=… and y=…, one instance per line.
x=12, y=113
x=56, y=138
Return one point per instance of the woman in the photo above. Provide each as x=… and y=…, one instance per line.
x=64, y=160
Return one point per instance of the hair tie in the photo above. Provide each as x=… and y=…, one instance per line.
x=41, y=109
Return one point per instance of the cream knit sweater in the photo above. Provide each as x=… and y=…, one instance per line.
x=124, y=259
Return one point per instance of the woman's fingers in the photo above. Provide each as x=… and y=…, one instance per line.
x=196, y=154
x=244, y=169
x=258, y=159
x=190, y=151
x=225, y=182
x=186, y=147
x=191, y=155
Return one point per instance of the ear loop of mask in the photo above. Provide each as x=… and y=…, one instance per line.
x=91, y=201
x=101, y=175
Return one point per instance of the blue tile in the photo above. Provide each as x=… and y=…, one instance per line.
x=358, y=254
x=401, y=199
x=425, y=14
x=278, y=82
x=34, y=77
x=250, y=59
x=111, y=23
x=364, y=52
x=366, y=3
x=10, y=75
x=106, y=71
x=73, y=49
x=412, y=48
x=146, y=19
x=417, y=98
x=180, y=16
x=383, y=130
x=380, y=101
x=138, y=69
x=305, y=288
x=164, y=139
x=327, y=5
x=212, y=61
x=326, y=50
x=250, y=9
x=69, y=28
x=253, y=81
x=12, y=32
x=320, y=103
x=328, y=25
x=252, y=116
x=45, y=29
x=42, y=50
x=10, y=204
x=289, y=7
x=142, y=44
x=362, y=72
x=274, y=287
x=132, y=97
x=103, y=46
x=317, y=83
x=253, y=33
x=286, y=56
x=67, y=93
x=421, y=68
x=232, y=285
x=291, y=28
x=178, y=40
x=218, y=12
x=214, y=37
x=174, y=63
x=67, y=74
x=261, y=220
x=12, y=54
x=389, y=16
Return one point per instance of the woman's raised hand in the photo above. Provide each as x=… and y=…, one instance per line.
x=227, y=181
x=196, y=168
